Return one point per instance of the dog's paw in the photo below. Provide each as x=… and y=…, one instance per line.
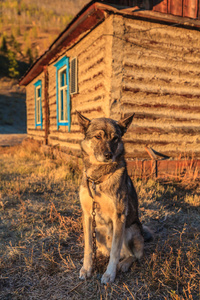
x=125, y=264
x=85, y=273
x=108, y=278
x=123, y=267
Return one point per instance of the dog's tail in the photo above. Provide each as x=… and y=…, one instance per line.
x=147, y=233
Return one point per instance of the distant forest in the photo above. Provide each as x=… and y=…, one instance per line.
x=28, y=27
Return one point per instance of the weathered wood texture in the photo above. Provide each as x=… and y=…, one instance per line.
x=171, y=169
x=126, y=66
x=184, y=8
x=94, y=54
x=159, y=69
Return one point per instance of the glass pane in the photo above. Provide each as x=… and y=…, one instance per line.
x=63, y=78
x=38, y=111
x=39, y=92
x=61, y=106
x=65, y=101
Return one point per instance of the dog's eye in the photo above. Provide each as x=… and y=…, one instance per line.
x=98, y=137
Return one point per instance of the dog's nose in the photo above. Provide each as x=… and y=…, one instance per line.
x=108, y=155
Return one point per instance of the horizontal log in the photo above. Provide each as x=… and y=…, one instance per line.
x=63, y=139
x=93, y=99
x=152, y=99
x=165, y=130
x=36, y=132
x=136, y=87
x=36, y=137
x=167, y=50
x=151, y=72
x=60, y=143
x=159, y=116
x=65, y=134
x=52, y=103
x=92, y=86
x=166, y=107
x=91, y=54
x=174, y=142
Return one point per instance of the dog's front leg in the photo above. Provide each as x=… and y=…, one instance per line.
x=118, y=232
x=86, y=270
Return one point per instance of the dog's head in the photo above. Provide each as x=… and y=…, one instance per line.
x=103, y=138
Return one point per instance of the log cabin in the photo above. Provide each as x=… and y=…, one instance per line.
x=116, y=58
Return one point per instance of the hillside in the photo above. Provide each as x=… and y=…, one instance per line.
x=27, y=28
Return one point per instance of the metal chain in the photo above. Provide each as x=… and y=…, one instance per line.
x=94, y=206
x=94, y=247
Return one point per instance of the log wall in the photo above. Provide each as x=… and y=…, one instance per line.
x=94, y=71
x=160, y=83
x=126, y=66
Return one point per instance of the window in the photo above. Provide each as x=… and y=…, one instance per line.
x=38, y=103
x=62, y=92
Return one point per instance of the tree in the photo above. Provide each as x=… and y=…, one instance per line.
x=12, y=65
x=36, y=54
x=4, y=47
x=29, y=55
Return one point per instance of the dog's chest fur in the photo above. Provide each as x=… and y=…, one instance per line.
x=111, y=199
x=105, y=207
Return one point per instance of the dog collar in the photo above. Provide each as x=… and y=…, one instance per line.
x=100, y=179
x=94, y=182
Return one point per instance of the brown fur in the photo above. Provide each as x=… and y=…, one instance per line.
x=119, y=231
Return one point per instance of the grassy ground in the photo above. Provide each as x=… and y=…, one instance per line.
x=41, y=239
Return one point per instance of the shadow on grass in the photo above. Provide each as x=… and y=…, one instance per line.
x=12, y=113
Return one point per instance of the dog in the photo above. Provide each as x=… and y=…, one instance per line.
x=119, y=232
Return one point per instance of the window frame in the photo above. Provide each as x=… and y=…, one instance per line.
x=63, y=64
x=38, y=121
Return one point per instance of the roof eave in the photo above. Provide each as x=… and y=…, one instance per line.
x=88, y=19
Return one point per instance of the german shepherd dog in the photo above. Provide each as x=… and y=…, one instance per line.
x=119, y=233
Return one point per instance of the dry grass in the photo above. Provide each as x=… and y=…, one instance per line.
x=41, y=244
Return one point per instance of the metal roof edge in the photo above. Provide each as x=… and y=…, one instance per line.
x=160, y=17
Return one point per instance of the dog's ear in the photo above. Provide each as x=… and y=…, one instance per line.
x=125, y=123
x=83, y=122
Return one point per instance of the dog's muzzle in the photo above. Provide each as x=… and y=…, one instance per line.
x=108, y=155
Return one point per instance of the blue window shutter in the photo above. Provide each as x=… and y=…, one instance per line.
x=38, y=84
x=64, y=61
